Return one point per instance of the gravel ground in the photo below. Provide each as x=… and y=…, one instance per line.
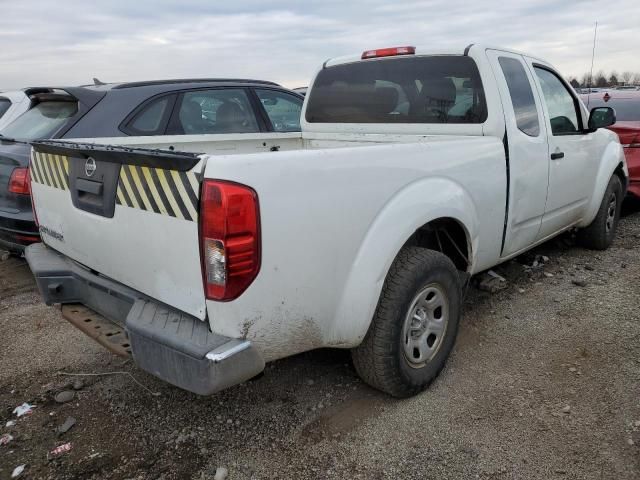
x=544, y=383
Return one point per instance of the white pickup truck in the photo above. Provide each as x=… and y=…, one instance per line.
x=413, y=171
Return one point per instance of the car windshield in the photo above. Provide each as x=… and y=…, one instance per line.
x=42, y=121
x=627, y=109
x=429, y=89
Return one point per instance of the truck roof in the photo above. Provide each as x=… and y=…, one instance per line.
x=424, y=50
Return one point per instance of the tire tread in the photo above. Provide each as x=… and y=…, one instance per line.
x=594, y=236
x=376, y=358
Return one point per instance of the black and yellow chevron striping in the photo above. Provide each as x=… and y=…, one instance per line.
x=52, y=170
x=167, y=192
x=158, y=190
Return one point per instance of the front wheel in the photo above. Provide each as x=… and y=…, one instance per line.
x=415, y=324
x=601, y=232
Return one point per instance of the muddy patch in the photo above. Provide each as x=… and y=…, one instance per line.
x=337, y=421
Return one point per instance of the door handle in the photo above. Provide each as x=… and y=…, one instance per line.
x=557, y=155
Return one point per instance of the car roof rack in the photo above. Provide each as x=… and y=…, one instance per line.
x=192, y=80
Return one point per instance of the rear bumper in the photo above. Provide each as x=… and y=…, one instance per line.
x=165, y=342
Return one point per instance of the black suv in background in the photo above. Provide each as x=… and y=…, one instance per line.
x=166, y=107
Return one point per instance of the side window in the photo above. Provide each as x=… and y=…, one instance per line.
x=524, y=105
x=560, y=103
x=150, y=120
x=282, y=108
x=224, y=110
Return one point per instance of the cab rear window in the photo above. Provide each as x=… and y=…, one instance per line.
x=432, y=89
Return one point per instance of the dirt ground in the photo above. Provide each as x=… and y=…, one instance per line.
x=544, y=383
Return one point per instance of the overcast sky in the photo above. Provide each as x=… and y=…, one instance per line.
x=71, y=41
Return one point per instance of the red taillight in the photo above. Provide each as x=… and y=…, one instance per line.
x=388, y=52
x=19, y=181
x=229, y=238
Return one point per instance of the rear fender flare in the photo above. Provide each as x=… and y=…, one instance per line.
x=407, y=211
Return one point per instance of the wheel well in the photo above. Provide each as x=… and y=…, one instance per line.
x=619, y=171
x=447, y=236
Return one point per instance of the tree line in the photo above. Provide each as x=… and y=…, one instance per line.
x=600, y=79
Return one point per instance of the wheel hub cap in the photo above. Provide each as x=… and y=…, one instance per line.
x=425, y=325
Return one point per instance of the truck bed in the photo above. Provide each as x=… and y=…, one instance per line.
x=231, y=144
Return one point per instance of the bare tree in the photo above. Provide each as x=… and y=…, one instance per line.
x=599, y=80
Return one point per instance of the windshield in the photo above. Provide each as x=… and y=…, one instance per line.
x=627, y=109
x=430, y=89
x=4, y=106
x=42, y=121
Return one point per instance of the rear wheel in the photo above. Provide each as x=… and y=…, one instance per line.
x=601, y=232
x=414, y=326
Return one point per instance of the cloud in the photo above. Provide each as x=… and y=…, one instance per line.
x=61, y=43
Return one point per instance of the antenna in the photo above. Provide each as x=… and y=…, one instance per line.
x=593, y=55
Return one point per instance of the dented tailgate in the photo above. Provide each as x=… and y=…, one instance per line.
x=129, y=214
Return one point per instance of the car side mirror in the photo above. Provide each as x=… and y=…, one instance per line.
x=601, y=117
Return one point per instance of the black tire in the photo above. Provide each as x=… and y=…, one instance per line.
x=601, y=232
x=381, y=359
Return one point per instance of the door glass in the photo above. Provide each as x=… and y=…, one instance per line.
x=560, y=103
x=524, y=105
x=283, y=109
x=215, y=111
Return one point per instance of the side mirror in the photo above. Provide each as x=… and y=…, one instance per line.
x=601, y=117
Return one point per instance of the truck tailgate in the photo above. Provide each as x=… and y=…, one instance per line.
x=129, y=214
